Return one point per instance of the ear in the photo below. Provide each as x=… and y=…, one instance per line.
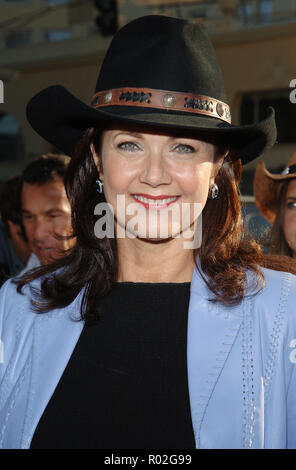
x=216, y=168
x=14, y=229
x=15, y=232
x=218, y=164
x=97, y=160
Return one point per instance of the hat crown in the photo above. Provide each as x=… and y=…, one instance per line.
x=168, y=54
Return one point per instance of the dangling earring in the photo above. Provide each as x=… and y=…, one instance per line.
x=99, y=186
x=213, y=191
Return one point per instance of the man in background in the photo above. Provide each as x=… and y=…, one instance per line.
x=46, y=209
x=14, y=247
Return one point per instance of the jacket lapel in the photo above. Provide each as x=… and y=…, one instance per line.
x=50, y=358
x=212, y=329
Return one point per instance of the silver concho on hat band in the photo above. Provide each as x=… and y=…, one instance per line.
x=107, y=97
x=220, y=109
x=168, y=100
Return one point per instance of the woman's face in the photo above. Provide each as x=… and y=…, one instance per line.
x=289, y=222
x=162, y=177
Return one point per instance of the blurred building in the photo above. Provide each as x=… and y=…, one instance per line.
x=48, y=42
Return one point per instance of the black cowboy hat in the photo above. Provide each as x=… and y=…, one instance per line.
x=158, y=71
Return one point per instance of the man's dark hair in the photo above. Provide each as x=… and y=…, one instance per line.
x=10, y=202
x=49, y=167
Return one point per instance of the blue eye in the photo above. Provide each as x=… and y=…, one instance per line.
x=183, y=148
x=128, y=146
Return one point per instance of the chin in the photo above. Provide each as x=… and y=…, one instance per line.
x=47, y=260
x=153, y=237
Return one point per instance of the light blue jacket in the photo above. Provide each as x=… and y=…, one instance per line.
x=241, y=365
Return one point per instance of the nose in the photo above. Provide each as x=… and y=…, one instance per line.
x=41, y=230
x=155, y=170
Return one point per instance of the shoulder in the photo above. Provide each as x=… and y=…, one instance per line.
x=19, y=321
x=279, y=289
x=274, y=318
x=16, y=325
x=18, y=314
x=11, y=300
x=274, y=306
x=278, y=278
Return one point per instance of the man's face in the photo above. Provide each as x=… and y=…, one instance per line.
x=46, y=212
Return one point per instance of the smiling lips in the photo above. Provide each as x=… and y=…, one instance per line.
x=155, y=202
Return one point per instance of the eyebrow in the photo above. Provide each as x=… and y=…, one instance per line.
x=173, y=135
x=134, y=134
x=49, y=211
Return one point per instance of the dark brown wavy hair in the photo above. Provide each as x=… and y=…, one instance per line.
x=225, y=253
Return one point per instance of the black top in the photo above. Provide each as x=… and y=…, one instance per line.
x=125, y=386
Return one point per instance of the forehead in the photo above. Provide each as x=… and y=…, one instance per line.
x=152, y=130
x=291, y=189
x=48, y=196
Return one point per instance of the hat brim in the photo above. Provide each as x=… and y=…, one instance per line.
x=279, y=178
x=60, y=118
x=265, y=185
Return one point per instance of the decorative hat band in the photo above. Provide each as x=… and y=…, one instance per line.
x=289, y=170
x=160, y=99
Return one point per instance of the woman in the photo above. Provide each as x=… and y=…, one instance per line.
x=275, y=196
x=148, y=335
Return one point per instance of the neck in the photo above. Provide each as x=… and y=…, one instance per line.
x=143, y=261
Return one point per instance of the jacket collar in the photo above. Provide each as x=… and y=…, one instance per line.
x=212, y=330
x=55, y=336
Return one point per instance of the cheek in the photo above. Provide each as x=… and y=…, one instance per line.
x=117, y=178
x=195, y=182
x=62, y=225
x=289, y=225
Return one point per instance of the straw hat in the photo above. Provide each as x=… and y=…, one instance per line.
x=267, y=185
